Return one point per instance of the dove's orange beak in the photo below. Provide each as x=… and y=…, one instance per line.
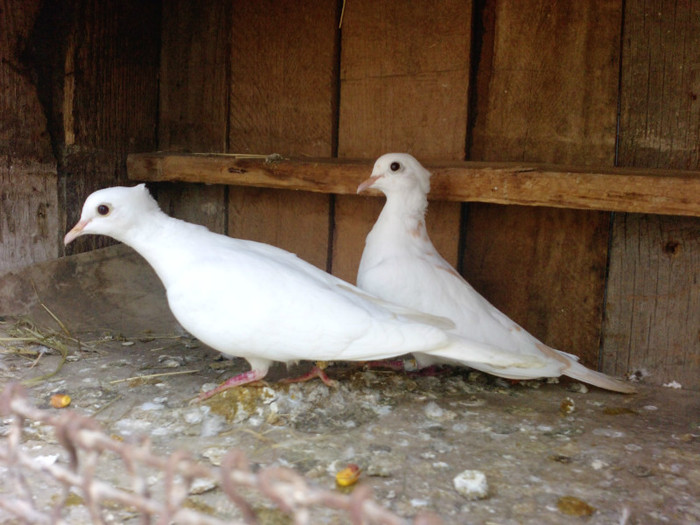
x=368, y=183
x=77, y=231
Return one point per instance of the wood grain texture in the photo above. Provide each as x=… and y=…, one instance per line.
x=23, y=128
x=540, y=266
x=659, y=105
x=653, y=302
x=671, y=192
x=111, y=106
x=404, y=78
x=28, y=175
x=547, y=82
x=28, y=213
x=546, y=92
x=404, y=82
x=194, y=75
x=194, y=98
x=301, y=227
x=283, y=100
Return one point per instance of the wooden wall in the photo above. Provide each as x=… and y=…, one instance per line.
x=28, y=178
x=404, y=77
x=546, y=91
x=652, y=305
x=79, y=85
x=488, y=80
x=594, y=82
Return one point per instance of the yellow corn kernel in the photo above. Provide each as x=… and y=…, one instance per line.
x=60, y=400
x=348, y=476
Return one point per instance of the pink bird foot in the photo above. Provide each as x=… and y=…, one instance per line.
x=241, y=379
x=316, y=371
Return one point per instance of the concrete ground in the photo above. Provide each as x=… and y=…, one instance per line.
x=551, y=452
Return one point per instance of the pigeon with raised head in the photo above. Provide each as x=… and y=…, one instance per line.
x=252, y=300
x=400, y=264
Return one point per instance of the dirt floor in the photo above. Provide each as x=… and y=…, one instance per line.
x=551, y=452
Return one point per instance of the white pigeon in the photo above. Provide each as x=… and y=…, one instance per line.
x=400, y=264
x=255, y=301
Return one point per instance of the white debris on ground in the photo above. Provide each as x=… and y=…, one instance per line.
x=471, y=484
x=410, y=435
x=551, y=452
x=673, y=384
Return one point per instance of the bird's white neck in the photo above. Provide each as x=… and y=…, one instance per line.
x=403, y=214
x=168, y=244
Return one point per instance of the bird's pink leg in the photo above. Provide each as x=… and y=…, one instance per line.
x=316, y=371
x=241, y=379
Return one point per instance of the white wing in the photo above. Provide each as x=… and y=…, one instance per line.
x=253, y=300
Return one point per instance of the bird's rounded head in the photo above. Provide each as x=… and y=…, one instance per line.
x=397, y=173
x=113, y=212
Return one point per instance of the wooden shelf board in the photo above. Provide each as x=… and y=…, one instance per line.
x=667, y=192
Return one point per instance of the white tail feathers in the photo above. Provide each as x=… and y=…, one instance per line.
x=598, y=379
x=519, y=366
x=486, y=357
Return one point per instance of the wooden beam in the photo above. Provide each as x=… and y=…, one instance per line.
x=666, y=192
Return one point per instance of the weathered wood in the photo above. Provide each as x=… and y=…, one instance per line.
x=283, y=99
x=28, y=213
x=669, y=192
x=28, y=177
x=531, y=260
x=110, y=100
x=194, y=98
x=301, y=227
x=546, y=91
x=652, y=314
x=404, y=80
x=653, y=300
x=547, y=82
x=659, y=102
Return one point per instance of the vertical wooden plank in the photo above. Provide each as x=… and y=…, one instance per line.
x=652, y=321
x=653, y=302
x=283, y=100
x=659, y=105
x=194, y=93
x=547, y=82
x=404, y=82
x=28, y=210
x=545, y=268
x=109, y=101
x=546, y=92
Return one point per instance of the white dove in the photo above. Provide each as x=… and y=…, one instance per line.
x=400, y=264
x=255, y=301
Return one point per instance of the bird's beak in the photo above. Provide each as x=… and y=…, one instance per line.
x=77, y=231
x=368, y=183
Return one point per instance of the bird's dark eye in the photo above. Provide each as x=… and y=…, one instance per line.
x=103, y=209
x=395, y=166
